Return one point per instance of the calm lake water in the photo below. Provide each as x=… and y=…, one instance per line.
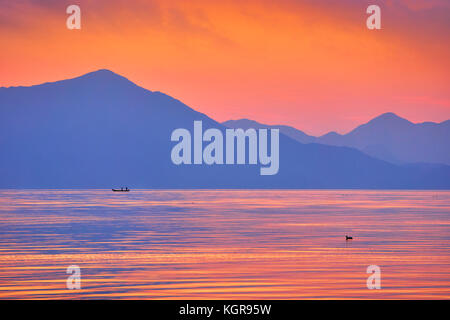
x=224, y=244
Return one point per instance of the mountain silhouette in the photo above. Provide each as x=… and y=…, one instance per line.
x=286, y=130
x=101, y=130
x=387, y=137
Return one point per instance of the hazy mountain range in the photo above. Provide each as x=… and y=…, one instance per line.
x=100, y=131
x=387, y=137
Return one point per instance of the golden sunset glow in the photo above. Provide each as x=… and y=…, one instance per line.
x=310, y=64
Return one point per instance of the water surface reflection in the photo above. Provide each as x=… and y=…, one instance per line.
x=224, y=244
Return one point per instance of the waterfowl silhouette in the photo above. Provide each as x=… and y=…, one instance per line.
x=348, y=238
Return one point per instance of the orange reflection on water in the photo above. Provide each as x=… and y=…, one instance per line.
x=274, y=244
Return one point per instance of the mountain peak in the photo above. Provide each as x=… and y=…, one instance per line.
x=386, y=122
x=102, y=75
x=103, y=78
x=389, y=116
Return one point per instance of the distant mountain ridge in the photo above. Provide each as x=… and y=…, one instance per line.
x=387, y=137
x=101, y=130
x=286, y=130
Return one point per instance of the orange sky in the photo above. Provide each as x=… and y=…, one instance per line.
x=311, y=64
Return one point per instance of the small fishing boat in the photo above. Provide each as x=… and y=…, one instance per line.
x=348, y=238
x=121, y=190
